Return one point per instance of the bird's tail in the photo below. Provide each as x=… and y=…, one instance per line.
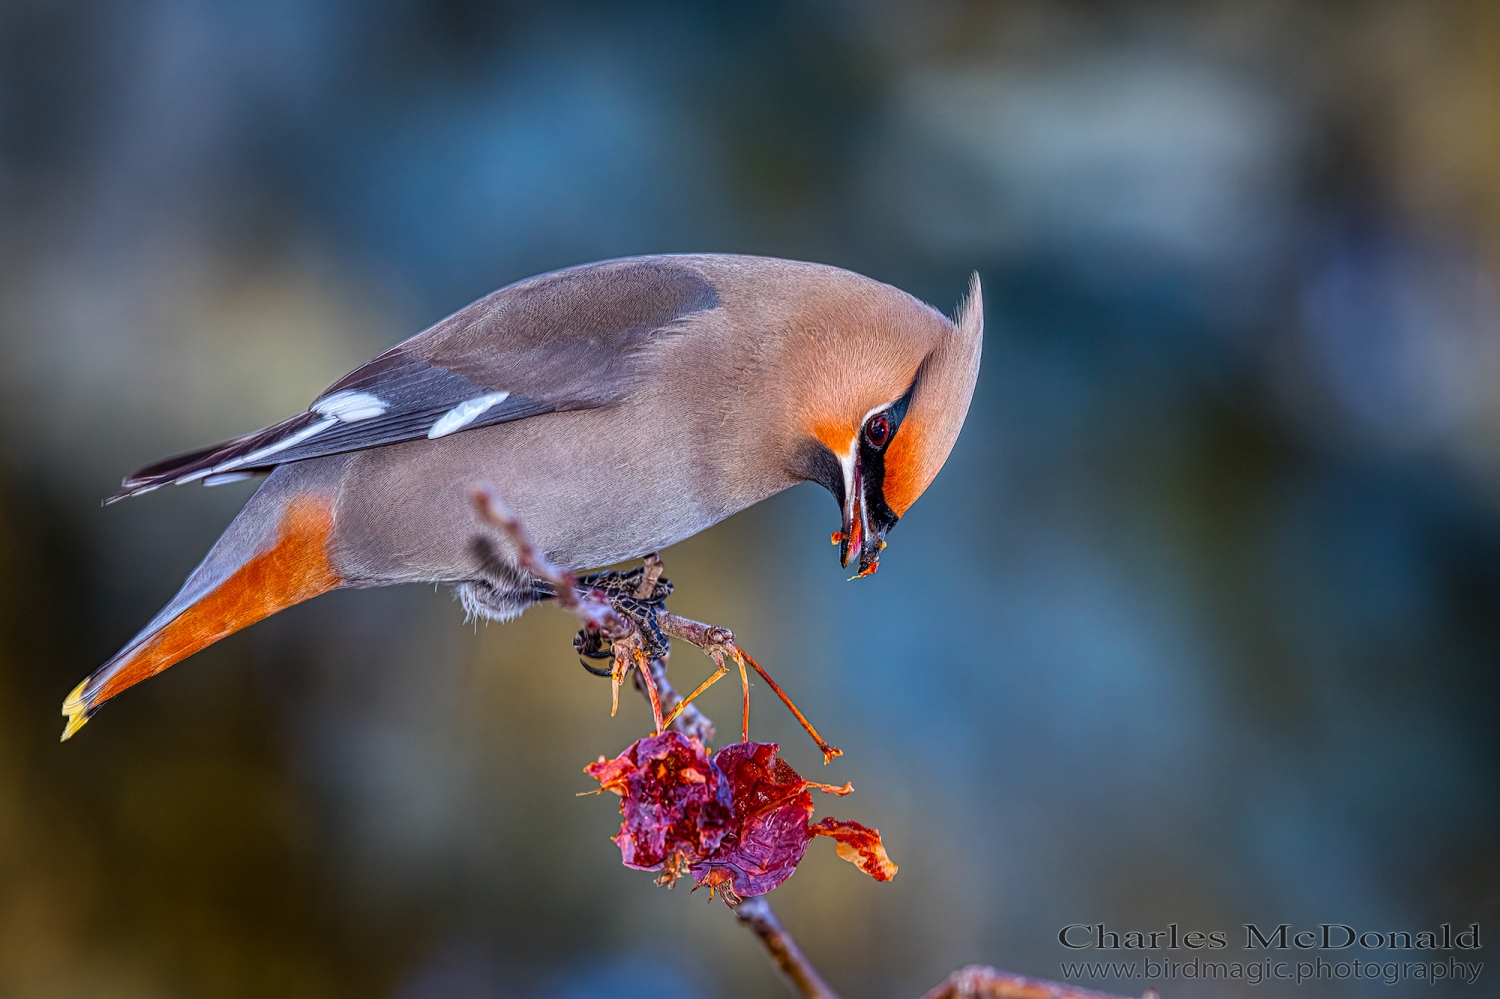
x=274, y=555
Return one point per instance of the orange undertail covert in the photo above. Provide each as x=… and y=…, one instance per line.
x=294, y=569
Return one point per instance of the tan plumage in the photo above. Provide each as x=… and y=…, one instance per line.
x=619, y=407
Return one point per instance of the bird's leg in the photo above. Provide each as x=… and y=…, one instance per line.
x=626, y=610
x=637, y=595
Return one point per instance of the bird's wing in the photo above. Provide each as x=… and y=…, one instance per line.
x=571, y=339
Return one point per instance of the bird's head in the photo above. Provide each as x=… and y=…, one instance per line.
x=880, y=399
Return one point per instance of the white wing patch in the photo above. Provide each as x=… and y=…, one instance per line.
x=226, y=478
x=341, y=407
x=464, y=413
x=350, y=406
x=281, y=445
x=216, y=472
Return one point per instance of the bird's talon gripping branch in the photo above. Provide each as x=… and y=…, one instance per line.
x=626, y=610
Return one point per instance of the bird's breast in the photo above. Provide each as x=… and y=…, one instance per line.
x=591, y=487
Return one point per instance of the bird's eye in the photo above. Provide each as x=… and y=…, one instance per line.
x=878, y=431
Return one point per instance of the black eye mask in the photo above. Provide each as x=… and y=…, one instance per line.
x=872, y=462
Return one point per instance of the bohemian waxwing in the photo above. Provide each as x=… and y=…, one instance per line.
x=617, y=407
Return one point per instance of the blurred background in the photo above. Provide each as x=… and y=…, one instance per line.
x=1200, y=624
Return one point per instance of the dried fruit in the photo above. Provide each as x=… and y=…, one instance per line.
x=738, y=821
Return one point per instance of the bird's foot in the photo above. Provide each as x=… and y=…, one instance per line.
x=625, y=620
x=639, y=595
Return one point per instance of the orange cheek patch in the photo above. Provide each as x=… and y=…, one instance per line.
x=294, y=569
x=903, y=467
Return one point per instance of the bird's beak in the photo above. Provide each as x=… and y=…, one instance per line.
x=861, y=538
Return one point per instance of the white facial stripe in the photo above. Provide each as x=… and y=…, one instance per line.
x=846, y=461
x=350, y=406
x=464, y=413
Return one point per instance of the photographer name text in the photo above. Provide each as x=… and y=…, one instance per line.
x=1284, y=936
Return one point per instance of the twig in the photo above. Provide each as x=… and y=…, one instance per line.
x=592, y=613
x=716, y=643
x=654, y=568
x=800, y=974
x=685, y=718
x=672, y=710
x=829, y=752
x=704, y=636
x=979, y=982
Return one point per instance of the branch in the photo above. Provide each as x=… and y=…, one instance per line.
x=979, y=982
x=800, y=974
x=594, y=611
x=591, y=612
x=717, y=642
x=707, y=637
x=689, y=721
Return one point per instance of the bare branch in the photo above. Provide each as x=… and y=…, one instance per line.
x=654, y=569
x=707, y=637
x=800, y=974
x=979, y=982
x=717, y=642
x=594, y=612
x=688, y=719
x=591, y=613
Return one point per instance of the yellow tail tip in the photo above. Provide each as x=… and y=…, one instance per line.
x=73, y=708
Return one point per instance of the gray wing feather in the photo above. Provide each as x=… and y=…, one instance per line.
x=571, y=339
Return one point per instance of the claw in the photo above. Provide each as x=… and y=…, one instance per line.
x=594, y=669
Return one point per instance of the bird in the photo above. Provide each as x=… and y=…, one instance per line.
x=618, y=407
